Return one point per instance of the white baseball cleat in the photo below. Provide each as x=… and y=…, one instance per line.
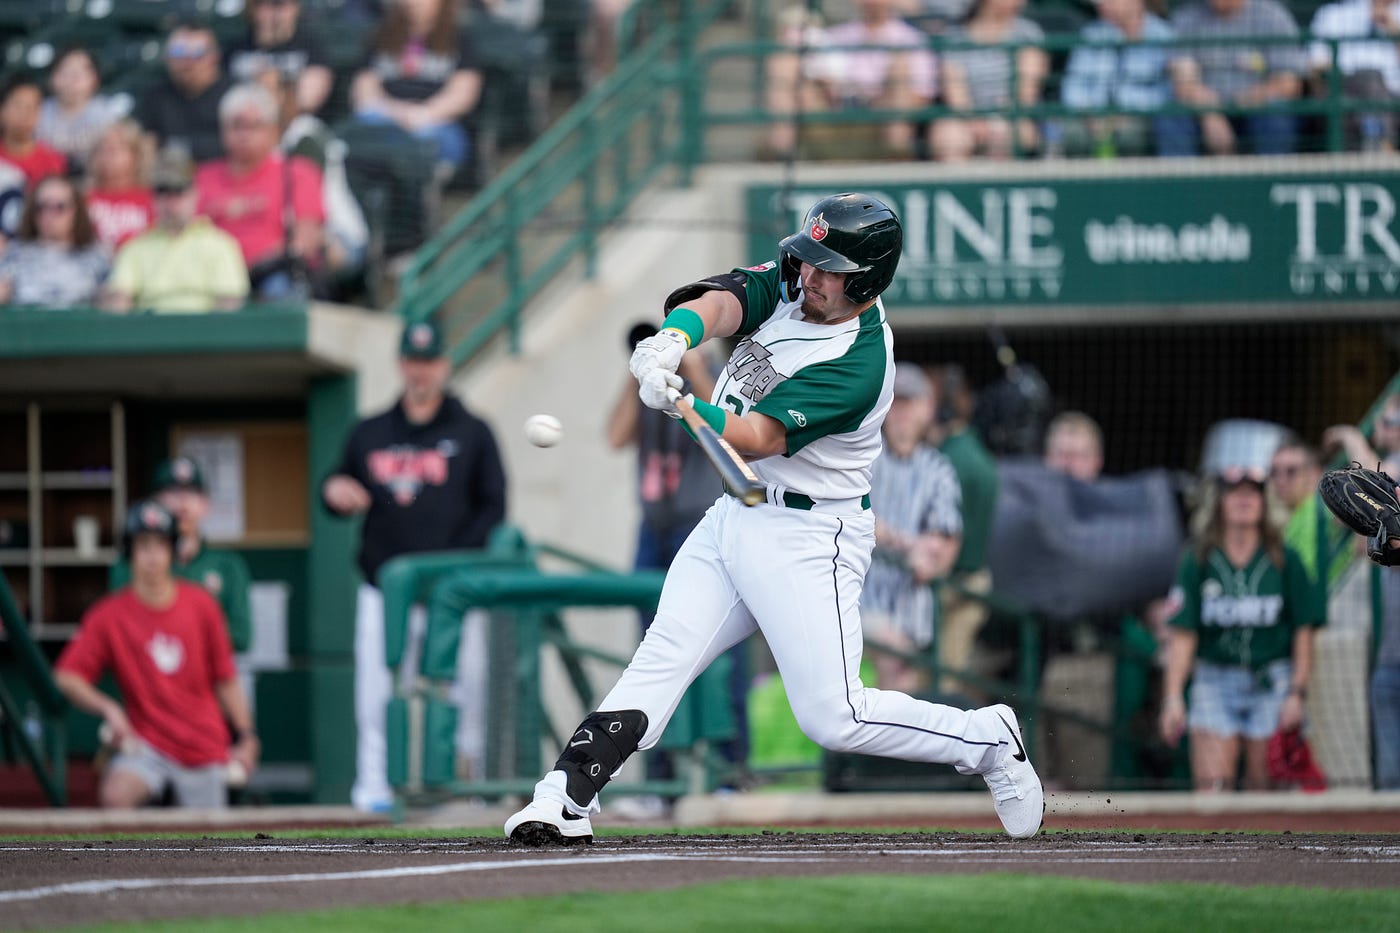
x=548, y=823
x=1016, y=792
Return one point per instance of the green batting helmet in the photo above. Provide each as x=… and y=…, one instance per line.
x=851, y=233
x=148, y=516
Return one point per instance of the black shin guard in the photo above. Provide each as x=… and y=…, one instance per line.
x=599, y=747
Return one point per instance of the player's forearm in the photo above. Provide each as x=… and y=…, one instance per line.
x=622, y=421
x=234, y=703
x=1181, y=650
x=1302, y=659
x=755, y=435
x=716, y=314
x=84, y=695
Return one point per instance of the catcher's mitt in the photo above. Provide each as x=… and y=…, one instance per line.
x=1365, y=502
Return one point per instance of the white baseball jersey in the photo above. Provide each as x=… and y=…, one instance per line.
x=829, y=384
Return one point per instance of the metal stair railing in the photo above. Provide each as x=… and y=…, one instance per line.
x=44, y=752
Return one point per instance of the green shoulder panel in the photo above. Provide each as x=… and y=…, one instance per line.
x=834, y=396
x=764, y=287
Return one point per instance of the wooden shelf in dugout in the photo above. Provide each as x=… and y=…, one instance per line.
x=70, y=591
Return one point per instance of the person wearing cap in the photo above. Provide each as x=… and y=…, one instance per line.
x=427, y=476
x=178, y=485
x=183, y=719
x=917, y=501
x=183, y=264
x=1242, y=616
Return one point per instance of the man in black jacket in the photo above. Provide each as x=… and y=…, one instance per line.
x=427, y=476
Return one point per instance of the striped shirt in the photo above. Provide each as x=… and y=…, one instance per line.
x=988, y=71
x=913, y=495
x=1229, y=69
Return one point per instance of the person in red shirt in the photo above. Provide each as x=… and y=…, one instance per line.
x=165, y=641
x=248, y=193
x=19, y=117
x=119, y=197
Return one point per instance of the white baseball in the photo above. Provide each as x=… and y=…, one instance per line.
x=543, y=430
x=236, y=775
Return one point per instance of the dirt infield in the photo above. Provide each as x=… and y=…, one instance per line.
x=52, y=884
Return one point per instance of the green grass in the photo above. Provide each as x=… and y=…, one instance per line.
x=888, y=904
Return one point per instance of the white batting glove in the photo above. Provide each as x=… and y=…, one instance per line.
x=660, y=389
x=661, y=351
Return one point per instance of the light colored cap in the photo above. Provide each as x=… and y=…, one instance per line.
x=910, y=381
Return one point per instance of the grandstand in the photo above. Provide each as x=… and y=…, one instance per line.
x=1162, y=296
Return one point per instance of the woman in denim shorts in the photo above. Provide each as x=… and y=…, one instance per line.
x=1244, y=616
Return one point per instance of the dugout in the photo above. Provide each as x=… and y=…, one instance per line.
x=91, y=402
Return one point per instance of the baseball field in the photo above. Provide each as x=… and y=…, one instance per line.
x=750, y=879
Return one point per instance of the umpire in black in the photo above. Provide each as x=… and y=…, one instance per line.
x=427, y=476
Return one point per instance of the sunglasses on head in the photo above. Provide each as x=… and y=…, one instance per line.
x=1230, y=477
x=186, y=51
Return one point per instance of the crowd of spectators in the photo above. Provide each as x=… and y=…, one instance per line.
x=286, y=134
x=1228, y=664
x=1171, y=97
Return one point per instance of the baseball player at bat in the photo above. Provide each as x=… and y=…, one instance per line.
x=801, y=398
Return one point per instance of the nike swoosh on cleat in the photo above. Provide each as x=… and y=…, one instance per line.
x=1020, y=753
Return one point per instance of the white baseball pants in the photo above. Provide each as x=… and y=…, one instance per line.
x=796, y=576
x=374, y=687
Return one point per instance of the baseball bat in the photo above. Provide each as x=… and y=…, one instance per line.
x=732, y=469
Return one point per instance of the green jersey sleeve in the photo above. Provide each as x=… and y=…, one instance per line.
x=1186, y=594
x=119, y=575
x=831, y=397
x=763, y=290
x=1300, y=596
x=235, y=602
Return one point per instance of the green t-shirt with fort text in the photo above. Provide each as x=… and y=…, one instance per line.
x=829, y=385
x=223, y=574
x=1243, y=616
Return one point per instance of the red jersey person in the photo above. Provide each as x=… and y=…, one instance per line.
x=166, y=643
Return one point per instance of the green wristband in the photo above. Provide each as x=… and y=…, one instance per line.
x=687, y=322
x=713, y=415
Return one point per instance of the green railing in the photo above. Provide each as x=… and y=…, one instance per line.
x=39, y=733
x=1334, y=106
x=550, y=206
x=524, y=603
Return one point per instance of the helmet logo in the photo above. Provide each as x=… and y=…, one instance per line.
x=819, y=228
x=421, y=336
x=183, y=470
x=152, y=518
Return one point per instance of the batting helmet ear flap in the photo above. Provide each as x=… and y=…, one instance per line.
x=788, y=268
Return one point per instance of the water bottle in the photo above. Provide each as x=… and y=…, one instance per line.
x=1372, y=133
x=33, y=725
